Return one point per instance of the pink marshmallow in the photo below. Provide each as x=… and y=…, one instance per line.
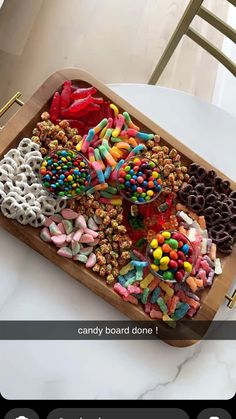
x=56, y=218
x=69, y=237
x=80, y=222
x=86, y=238
x=58, y=240
x=91, y=232
x=77, y=235
x=47, y=222
x=91, y=260
x=61, y=227
x=69, y=214
x=65, y=252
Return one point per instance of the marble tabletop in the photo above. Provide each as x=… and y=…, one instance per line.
x=33, y=288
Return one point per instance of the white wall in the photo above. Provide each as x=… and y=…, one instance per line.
x=225, y=87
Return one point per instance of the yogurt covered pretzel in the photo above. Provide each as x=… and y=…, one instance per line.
x=22, y=197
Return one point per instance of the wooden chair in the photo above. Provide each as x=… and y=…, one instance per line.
x=195, y=8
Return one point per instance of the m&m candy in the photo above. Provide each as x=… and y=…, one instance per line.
x=170, y=256
x=65, y=173
x=139, y=180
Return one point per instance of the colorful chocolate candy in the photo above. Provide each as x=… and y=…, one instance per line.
x=139, y=180
x=65, y=173
x=171, y=256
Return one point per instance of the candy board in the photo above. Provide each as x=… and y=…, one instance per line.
x=22, y=124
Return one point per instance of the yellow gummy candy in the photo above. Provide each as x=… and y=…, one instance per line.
x=154, y=243
x=168, y=290
x=165, y=260
x=79, y=145
x=163, y=267
x=125, y=269
x=166, y=234
x=154, y=267
x=188, y=267
x=168, y=319
x=114, y=108
x=147, y=280
x=157, y=254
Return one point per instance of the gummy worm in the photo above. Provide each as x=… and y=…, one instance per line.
x=115, y=109
x=98, y=158
x=98, y=168
x=87, y=140
x=91, y=156
x=104, y=130
x=99, y=187
x=116, y=170
x=100, y=126
x=107, y=155
x=119, y=125
x=107, y=172
x=129, y=121
x=116, y=153
x=136, y=150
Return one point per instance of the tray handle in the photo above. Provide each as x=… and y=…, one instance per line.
x=231, y=300
x=14, y=99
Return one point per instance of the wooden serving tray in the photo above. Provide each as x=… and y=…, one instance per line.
x=22, y=124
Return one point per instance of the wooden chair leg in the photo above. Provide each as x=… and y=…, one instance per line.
x=181, y=29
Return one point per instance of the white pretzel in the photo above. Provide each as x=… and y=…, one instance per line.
x=39, y=218
x=9, y=187
x=31, y=179
x=33, y=154
x=19, y=161
x=4, y=177
x=8, y=168
x=36, y=189
x=22, y=214
x=14, y=154
x=61, y=203
x=9, y=207
x=19, y=199
x=21, y=177
x=26, y=145
x=22, y=197
x=23, y=186
x=9, y=161
x=25, y=169
x=48, y=205
x=2, y=195
x=34, y=162
x=38, y=222
x=30, y=198
x=21, y=218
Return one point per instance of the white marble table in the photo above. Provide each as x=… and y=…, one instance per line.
x=33, y=288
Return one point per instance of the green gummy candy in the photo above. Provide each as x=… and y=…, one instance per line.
x=162, y=305
x=145, y=295
x=168, y=275
x=180, y=312
x=173, y=243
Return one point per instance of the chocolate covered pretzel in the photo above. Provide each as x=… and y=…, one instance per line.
x=209, y=195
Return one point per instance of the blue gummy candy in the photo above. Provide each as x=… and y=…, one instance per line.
x=155, y=295
x=185, y=248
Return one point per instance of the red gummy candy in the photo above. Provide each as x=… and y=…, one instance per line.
x=79, y=104
x=66, y=94
x=55, y=108
x=83, y=92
